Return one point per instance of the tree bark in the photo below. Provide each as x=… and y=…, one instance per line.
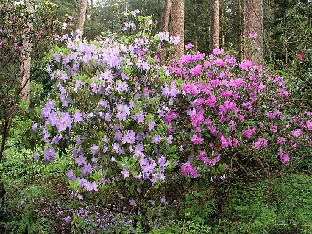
x=26, y=56
x=241, y=31
x=177, y=24
x=164, y=24
x=254, y=24
x=82, y=14
x=214, y=24
x=221, y=27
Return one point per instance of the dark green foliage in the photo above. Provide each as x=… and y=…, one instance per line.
x=279, y=205
x=197, y=17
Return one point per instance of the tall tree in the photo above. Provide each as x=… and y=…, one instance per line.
x=82, y=14
x=214, y=24
x=164, y=24
x=26, y=54
x=177, y=24
x=240, y=30
x=254, y=25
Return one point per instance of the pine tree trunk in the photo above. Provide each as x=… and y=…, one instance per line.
x=222, y=27
x=214, y=24
x=82, y=14
x=177, y=24
x=26, y=56
x=240, y=31
x=164, y=24
x=254, y=24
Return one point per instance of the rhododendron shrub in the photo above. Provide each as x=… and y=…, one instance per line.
x=128, y=121
x=109, y=113
x=228, y=112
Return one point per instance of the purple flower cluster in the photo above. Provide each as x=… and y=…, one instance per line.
x=123, y=115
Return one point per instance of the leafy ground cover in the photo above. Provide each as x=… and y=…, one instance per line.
x=37, y=201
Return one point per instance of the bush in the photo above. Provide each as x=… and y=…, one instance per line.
x=133, y=127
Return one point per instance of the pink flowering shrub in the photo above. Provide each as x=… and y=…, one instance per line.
x=228, y=112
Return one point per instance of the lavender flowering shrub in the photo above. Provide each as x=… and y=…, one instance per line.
x=108, y=111
x=132, y=124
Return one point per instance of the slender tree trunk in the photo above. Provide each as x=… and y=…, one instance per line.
x=26, y=56
x=222, y=26
x=4, y=135
x=177, y=24
x=164, y=24
x=254, y=24
x=241, y=31
x=214, y=24
x=82, y=14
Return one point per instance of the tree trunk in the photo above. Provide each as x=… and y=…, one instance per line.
x=240, y=31
x=177, y=24
x=214, y=24
x=26, y=56
x=164, y=24
x=221, y=26
x=254, y=24
x=164, y=27
x=82, y=14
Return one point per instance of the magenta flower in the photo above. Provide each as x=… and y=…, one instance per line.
x=245, y=65
x=299, y=56
x=274, y=128
x=296, y=133
x=253, y=35
x=211, y=101
x=197, y=140
x=284, y=156
x=187, y=169
x=260, y=143
x=190, y=89
x=217, y=51
x=212, y=162
x=249, y=132
x=201, y=156
x=197, y=70
x=226, y=142
x=188, y=46
x=171, y=116
x=220, y=62
x=281, y=140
